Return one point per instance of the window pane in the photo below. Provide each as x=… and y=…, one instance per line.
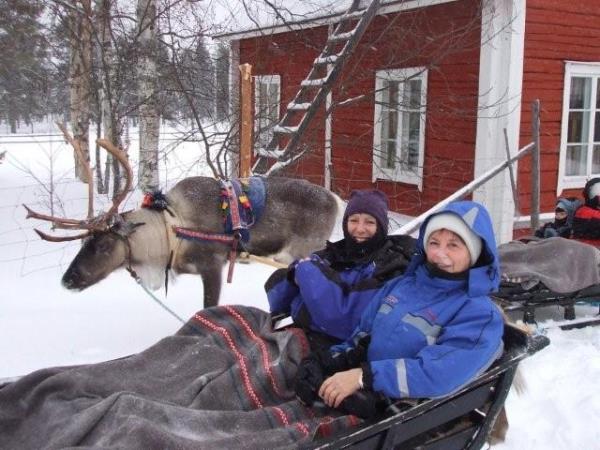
x=273, y=103
x=389, y=125
x=411, y=125
x=597, y=93
x=576, y=159
x=385, y=125
x=597, y=126
x=580, y=93
x=390, y=161
x=262, y=95
x=385, y=94
x=596, y=160
x=391, y=134
x=412, y=94
x=577, y=131
x=393, y=95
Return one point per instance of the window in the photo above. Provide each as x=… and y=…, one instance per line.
x=580, y=137
x=266, y=108
x=399, y=136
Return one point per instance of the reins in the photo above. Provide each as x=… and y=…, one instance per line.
x=138, y=280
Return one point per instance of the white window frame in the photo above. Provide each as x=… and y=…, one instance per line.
x=398, y=173
x=260, y=120
x=577, y=69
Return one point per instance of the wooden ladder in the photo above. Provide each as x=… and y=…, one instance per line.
x=326, y=69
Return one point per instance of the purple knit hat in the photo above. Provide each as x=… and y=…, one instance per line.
x=369, y=201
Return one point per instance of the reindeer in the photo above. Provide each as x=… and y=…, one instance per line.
x=297, y=219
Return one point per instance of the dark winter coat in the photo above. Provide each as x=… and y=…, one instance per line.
x=562, y=228
x=429, y=335
x=586, y=225
x=329, y=292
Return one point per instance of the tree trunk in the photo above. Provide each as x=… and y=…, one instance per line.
x=80, y=83
x=149, y=127
x=100, y=185
x=108, y=104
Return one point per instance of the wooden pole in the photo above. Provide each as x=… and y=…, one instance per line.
x=246, y=120
x=513, y=183
x=535, y=165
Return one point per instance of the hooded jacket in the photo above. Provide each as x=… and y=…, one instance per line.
x=429, y=336
x=329, y=292
x=564, y=227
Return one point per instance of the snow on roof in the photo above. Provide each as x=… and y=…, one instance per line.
x=242, y=18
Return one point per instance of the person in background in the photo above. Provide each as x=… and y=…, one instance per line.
x=327, y=292
x=586, y=224
x=425, y=334
x=564, y=213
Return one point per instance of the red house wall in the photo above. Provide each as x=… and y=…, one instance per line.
x=445, y=38
x=555, y=31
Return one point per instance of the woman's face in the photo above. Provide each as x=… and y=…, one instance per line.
x=361, y=226
x=447, y=251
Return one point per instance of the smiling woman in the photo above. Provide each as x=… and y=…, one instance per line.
x=450, y=244
x=426, y=334
x=326, y=293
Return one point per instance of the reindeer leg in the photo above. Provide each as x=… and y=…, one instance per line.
x=211, y=280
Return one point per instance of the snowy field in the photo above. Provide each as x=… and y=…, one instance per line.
x=42, y=324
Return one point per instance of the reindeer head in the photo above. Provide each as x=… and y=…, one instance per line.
x=105, y=247
x=102, y=252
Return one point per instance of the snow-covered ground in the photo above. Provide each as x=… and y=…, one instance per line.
x=42, y=324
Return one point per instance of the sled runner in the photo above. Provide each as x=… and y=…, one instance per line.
x=513, y=297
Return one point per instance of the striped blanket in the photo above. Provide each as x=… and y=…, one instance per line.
x=224, y=381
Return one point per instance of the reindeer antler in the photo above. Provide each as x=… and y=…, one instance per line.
x=99, y=222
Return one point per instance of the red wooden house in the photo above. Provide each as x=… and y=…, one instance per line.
x=422, y=103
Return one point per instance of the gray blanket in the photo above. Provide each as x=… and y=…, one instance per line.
x=563, y=265
x=224, y=381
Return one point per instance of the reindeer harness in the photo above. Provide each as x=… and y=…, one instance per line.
x=242, y=203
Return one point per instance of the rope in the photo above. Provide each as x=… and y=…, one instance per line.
x=138, y=280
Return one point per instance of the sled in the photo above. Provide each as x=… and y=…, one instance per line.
x=513, y=297
x=548, y=272
x=462, y=420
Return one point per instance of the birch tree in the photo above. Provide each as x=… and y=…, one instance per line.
x=108, y=104
x=80, y=37
x=149, y=119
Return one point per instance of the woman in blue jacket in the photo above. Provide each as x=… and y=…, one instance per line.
x=430, y=332
x=327, y=293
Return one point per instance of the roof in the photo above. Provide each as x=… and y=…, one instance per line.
x=298, y=15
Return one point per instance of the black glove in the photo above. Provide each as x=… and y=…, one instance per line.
x=346, y=360
x=308, y=380
x=364, y=404
x=291, y=275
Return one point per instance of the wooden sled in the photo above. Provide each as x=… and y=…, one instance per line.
x=462, y=420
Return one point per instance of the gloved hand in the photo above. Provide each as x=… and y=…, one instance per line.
x=308, y=380
x=364, y=404
x=346, y=360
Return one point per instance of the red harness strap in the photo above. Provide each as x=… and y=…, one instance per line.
x=236, y=226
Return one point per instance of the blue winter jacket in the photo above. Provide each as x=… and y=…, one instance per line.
x=429, y=336
x=329, y=294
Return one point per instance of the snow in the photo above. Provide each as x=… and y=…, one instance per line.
x=42, y=324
